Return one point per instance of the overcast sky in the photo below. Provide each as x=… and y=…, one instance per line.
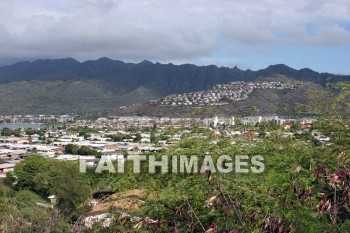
x=247, y=33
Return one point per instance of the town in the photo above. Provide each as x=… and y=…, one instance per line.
x=118, y=137
x=223, y=94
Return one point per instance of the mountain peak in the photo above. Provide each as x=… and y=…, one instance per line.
x=146, y=62
x=104, y=59
x=56, y=61
x=279, y=67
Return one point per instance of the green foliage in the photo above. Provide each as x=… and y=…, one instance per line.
x=26, y=198
x=72, y=149
x=119, y=137
x=48, y=177
x=83, y=150
x=68, y=185
x=11, y=132
x=137, y=137
x=82, y=131
x=345, y=227
x=242, y=201
x=10, y=179
x=254, y=109
x=19, y=212
x=153, y=138
x=31, y=131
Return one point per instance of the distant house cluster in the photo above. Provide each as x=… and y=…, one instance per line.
x=123, y=122
x=284, y=122
x=223, y=94
x=36, y=119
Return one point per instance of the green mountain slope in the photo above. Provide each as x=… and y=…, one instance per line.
x=57, y=96
x=266, y=101
x=66, y=85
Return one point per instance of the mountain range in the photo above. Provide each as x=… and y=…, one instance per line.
x=54, y=86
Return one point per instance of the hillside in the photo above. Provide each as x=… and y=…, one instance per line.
x=66, y=85
x=266, y=101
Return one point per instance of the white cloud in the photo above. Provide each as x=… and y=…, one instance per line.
x=165, y=30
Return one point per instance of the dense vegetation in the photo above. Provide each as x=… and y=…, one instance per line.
x=305, y=188
x=36, y=179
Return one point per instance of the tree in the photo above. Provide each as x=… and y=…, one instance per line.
x=254, y=109
x=51, y=177
x=84, y=150
x=137, y=137
x=30, y=131
x=31, y=174
x=10, y=179
x=68, y=185
x=6, y=132
x=72, y=149
x=153, y=138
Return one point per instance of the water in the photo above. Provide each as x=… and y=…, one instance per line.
x=22, y=126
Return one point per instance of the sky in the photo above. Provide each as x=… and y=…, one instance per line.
x=250, y=34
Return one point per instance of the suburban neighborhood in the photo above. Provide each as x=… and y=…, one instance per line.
x=118, y=137
x=223, y=94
